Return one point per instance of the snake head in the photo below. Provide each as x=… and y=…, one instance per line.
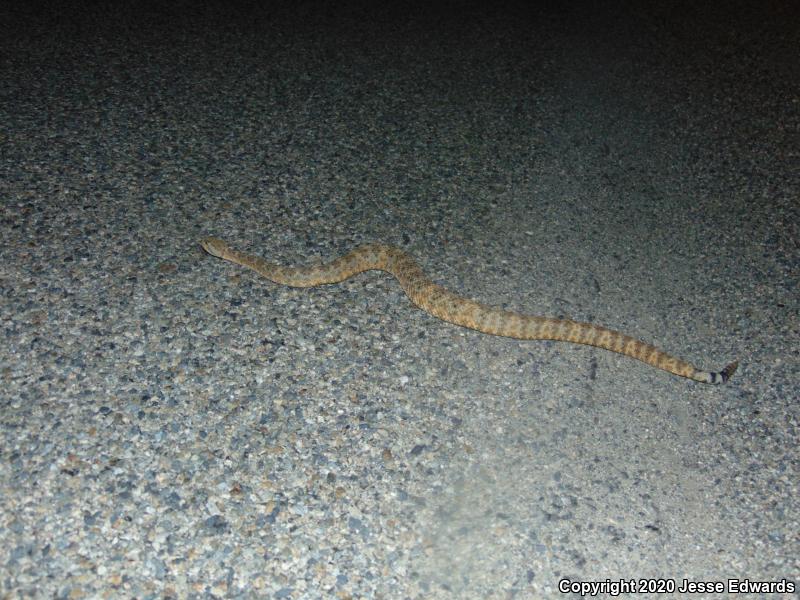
x=214, y=246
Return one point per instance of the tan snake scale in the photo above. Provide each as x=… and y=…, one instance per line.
x=450, y=307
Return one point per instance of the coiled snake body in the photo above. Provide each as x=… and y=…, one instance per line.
x=450, y=307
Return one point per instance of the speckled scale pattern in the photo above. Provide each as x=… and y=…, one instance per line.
x=450, y=307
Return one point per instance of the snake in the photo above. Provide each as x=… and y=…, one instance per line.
x=459, y=310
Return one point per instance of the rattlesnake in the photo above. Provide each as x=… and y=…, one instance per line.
x=450, y=307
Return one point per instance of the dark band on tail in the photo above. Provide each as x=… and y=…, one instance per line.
x=725, y=374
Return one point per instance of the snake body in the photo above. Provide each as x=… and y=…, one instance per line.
x=444, y=304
